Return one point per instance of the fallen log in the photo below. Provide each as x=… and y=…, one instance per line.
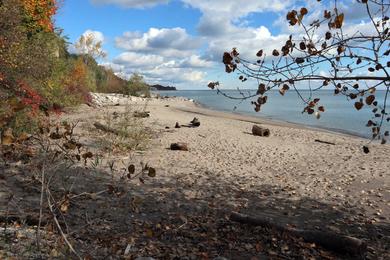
x=330, y=241
x=324, y=142
x=179, y=147
x=260, y=131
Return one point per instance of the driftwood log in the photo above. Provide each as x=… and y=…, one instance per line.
x=179, y=147
x=330, y=241
x=323, y=142
x=195, y=122
x=260, y=131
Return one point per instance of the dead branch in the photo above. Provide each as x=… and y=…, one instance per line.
x=324, y=142
x=331, y=241
x=50, y=204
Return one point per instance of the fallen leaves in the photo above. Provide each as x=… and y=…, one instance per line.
x=7, y=137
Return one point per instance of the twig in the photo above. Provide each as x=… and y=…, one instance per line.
x=324, y=142
x=59, y=226
x=40, y=208
x=87, y=193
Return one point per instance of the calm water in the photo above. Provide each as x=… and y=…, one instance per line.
x=340, y=114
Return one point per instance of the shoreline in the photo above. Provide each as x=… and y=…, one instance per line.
x=210, y=111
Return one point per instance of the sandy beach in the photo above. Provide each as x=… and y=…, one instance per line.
x=287, y=177
x=289, y=159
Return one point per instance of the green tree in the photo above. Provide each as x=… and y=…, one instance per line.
x=137, y=86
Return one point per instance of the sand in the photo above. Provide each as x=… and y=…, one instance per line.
x=224, y=149
x=287, y=177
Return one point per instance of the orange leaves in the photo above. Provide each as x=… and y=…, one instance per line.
x=227, y=59
x=212, y=85
x=284, y=89
x=294, y=18
x=7, y=137
x=261, y=90
x=337, y=23
x=40, y=13
x=370, y=99
x=358, y=105
x=310, y=108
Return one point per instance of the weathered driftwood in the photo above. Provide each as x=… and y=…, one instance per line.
x=324, y=142
x=331, y=241
x=106, y=129
x=259, y=131
x=179, y=146
x=195, y=122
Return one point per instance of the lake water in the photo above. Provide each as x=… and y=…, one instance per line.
x=340, y=114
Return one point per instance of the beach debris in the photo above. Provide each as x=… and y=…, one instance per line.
x=195, y=122
x=141, y=114
x=331, y=241
x=260, y=131
x=179, y=146
x=177, y=125
x=324, y=142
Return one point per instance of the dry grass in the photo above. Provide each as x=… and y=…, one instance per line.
x=133, y=133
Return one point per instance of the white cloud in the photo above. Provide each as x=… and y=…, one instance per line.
x=235, y=9
x=155, y=68
x=136, y=60
x=173, y=42
x=165, y=56
x=131, y=3
x=173, y=56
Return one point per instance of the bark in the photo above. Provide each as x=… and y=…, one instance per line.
x=260, y=131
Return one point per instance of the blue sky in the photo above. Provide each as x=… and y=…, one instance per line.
x=181, y=42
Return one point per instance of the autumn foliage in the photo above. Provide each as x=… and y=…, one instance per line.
x=39, y=14
x=37, y=73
